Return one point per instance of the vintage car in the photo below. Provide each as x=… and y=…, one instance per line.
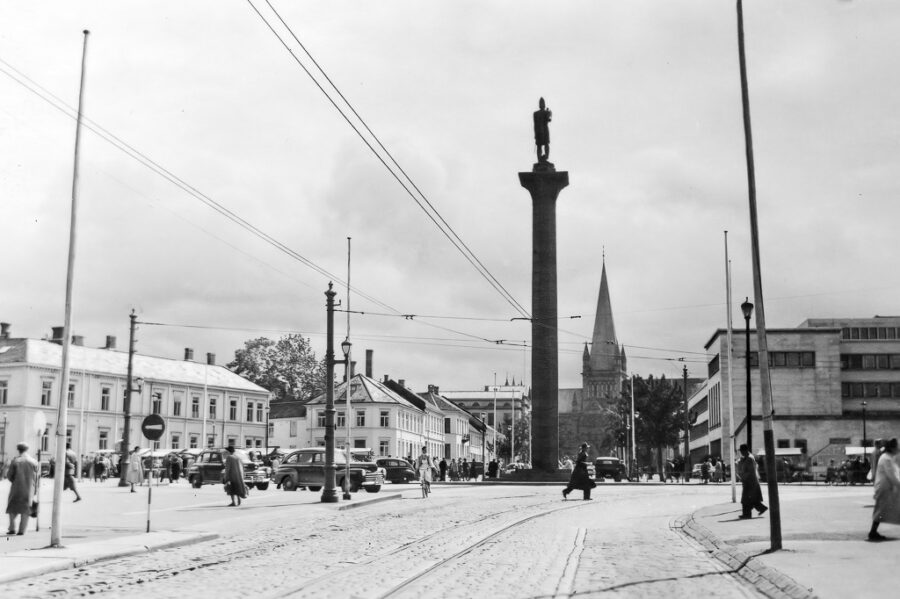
x=306, y=468
x=397, y=470
x=609, y=467
x=207, y=469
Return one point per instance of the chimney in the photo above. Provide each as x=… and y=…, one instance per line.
x=4, y=330
x=57, y=335
x=211, y=359
x=77, y=339
x=402, y=382
x=369, y=354
x=387, y=377
x=352, y=368
x=110, y=342
x=188, y=353
x=435, y=389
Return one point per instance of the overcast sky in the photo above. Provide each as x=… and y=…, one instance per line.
x=646, y=119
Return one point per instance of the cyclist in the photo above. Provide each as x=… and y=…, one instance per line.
x=425, y=466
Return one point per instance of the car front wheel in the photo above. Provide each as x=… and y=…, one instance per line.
x=289, y=484
x=314, y=489
x=373, y=489
x=196, y=482
x=262, y=486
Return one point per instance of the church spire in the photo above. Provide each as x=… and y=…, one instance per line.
x=605, y=346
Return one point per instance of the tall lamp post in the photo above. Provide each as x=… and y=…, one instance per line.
x=329, y=495
x=865, y=442
x=345, y=349
x=747, y=309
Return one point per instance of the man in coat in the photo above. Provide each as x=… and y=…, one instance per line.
x=580, y=478
x=69, y=478
x=751, y=494
x=233, y=477
x=23, y=474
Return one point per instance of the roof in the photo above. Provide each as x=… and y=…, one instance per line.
x=604, y=345
x=772, y=331
x=109, y=361
x=287, y=409
x=366, y=390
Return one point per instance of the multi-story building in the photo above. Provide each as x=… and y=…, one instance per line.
x=505, y=400
x=202, y=404
x=833, y=381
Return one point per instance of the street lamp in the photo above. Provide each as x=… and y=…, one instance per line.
x=345, y=349
x=865, y=442
x=747, y=309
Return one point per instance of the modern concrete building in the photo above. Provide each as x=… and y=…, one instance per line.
x=203, y=404
x=831, y=380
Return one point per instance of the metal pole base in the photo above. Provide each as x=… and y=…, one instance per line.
x=329, y=496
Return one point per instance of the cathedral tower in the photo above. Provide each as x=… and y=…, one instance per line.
x=604, y=366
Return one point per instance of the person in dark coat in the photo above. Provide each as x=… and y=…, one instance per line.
x=580, y=478
x=233, y=477
x=443, y=467
x=23, y=474
x=751, y=494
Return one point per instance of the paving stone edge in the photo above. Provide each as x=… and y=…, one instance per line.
x=767, y=580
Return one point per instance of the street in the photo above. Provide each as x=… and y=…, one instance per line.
x=463, y=541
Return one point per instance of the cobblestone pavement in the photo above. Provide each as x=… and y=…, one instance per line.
x=460, y=542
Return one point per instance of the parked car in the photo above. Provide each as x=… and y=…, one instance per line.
x=207, y=469
x=609, y=467
x=397, y=470
x=305, y=468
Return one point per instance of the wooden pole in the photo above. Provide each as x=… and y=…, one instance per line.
x=62, y=421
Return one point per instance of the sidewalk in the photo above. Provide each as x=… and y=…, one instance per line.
x=91, y=538
x=824, y=547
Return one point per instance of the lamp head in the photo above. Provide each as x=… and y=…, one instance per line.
x=345, y=347
x=747, y=308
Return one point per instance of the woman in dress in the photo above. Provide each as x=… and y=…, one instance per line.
x=23, y=474
x=233, y=477
x=580, y=478
x=887, y=491
x=135, y=474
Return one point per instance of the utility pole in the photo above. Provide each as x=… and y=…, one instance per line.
x=687, y=429
x=765, y=382
x=126, y=405
x=329, y=495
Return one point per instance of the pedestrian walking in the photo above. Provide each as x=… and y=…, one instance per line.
x=69, y=478
x=135, y=469
x=454, y=472
x=233, y=477
x=465, y=469
x=443, y=467
x=174, y=467
x=580, y=479
x=887, y=491
x=23, y=494
x=704, y=472
x=718, y=471
x=751, y=493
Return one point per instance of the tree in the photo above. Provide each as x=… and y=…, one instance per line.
x=288, y=368
x=523, y=424
x=661, y=407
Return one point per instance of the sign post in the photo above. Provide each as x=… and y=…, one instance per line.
x=153, y=427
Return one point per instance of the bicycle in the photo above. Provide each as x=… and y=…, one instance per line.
x=426, y=486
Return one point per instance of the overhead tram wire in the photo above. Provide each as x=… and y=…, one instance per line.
x=445, y=229
x=160, y=170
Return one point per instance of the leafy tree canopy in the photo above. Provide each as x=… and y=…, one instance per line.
x=288, y=367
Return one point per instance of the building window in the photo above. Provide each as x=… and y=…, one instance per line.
x=293, y=428
x=385, y=418
x=3, y=390
x=320, y=418
x=383, y=447
x=713, y=366
x=45, y=442
x=248, y=442
x=46, y=393
x=70, y=396
x=105, y=394
x=157, y=403
x=195, y=408
x=176, y=441
x=259, y=411
x=232, y=410
x=210, y=440
x=231, y=442
x=839, y=441
x=176, y=406
x=340, y=420
x=103, y=440
x=801, y=444
x=212, y=408
x=360, y=417
x=250, y=412
x=783, y=443
x=193, y=441
x=155, y=444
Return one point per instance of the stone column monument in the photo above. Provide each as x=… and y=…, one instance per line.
x=544, y=184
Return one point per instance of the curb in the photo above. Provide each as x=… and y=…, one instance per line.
x=350, y=506
x=36, y=562
x=768, y=581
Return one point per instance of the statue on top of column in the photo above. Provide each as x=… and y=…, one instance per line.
x=542, y=131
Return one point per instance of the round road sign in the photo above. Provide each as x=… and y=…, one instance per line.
x=153, y=427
